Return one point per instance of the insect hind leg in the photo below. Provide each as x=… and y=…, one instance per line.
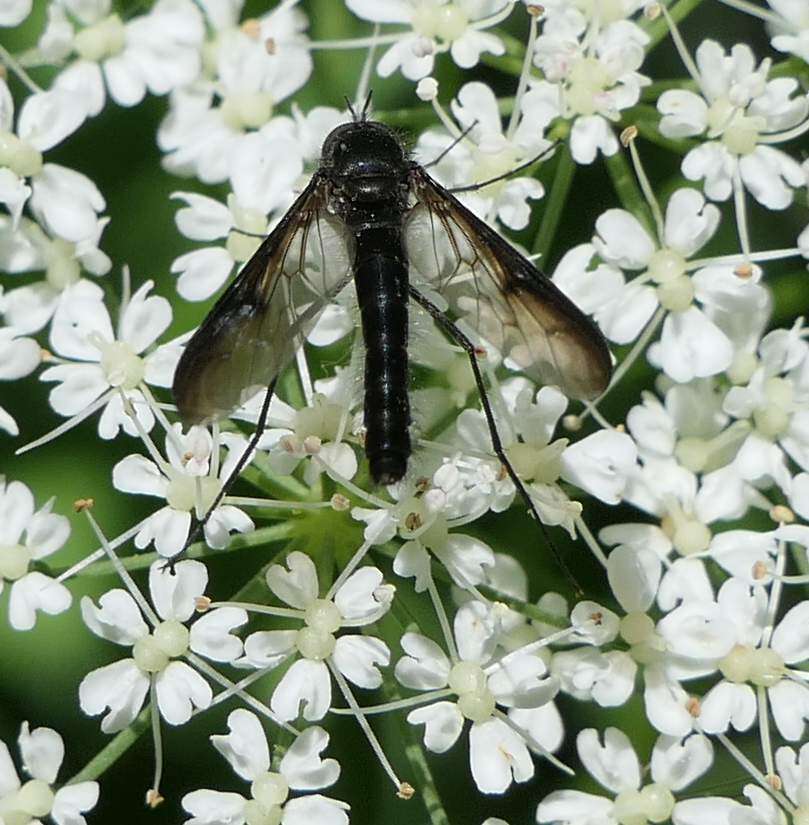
x=497, y=445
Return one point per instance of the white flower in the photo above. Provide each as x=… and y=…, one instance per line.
x=595, y=76
x=474, y=684
x=600, y=463
x=719, y=810
x=688, y=642
x=426, y=516
x=42, y=751
x=712, y=313
x=255, y=66
x=189, y=485
x=102, y=365
x=316, y=430
x=772, y=405
x=65, y=202
x=301, y=769
x=13, y=12
x=437, y=26
x=791, y=32
x=155, y=52
x=261, y=185
x=122, y=686
x=675, y=764
x=203, y=271
x=44, y=533
x=486, y=154
x=19, y=356
x=27, y=248
x=745, y=111
x=794, y=772
x=305, y=688
x=733, y=701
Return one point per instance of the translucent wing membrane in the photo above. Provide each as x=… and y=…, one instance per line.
x=257, y=325
x=502, y=295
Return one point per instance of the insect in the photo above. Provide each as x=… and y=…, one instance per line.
x=369, y=215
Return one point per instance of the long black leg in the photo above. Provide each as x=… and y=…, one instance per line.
x=497, y=445
x=261, y=422
x=452, y=145
x=473, y=187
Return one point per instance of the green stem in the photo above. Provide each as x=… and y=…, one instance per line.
x=423, y=776
x=260, y=474
x=512, y=61
x=791, y=67
x=552, y=212
x=504, y=63
x=114, y=750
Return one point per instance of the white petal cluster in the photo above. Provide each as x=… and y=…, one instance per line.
x=306, y=687
x=157, y=643
x=42, y=751
x=434, y=27
x=740, y=112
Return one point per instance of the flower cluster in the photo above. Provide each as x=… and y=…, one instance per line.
x=684, y=485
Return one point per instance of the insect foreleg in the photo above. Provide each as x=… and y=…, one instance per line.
x=473, y=187
x=261, y=422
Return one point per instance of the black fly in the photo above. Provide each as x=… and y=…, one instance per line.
x=370, y=214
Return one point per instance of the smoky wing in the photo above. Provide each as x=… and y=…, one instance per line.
x=502, y=295
x=256, y=326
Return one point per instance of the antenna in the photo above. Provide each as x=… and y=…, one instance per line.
x=366, y=106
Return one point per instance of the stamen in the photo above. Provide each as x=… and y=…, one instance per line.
x=755, y=773
x=123, y=573
x=647, y=190
x=361, y=494
x=398, y=704
x=11, y=62
x=358, y=556
x=157, y=409
x=533, y=744
x=443, y=620
x=154, y=797
x=151, y=448
x=733, y=260
x=361, y=94
x=682, y=50
x=764, y=729
x=741, y=212
x=363, y=723
x=305, y=376
x=522, y=84
x=590, y=540
x=100, y=552
x=494, y=18
x=775, y=594
x=638, y=348
x=69, y=424
x=756, y=11
x=203, y=667
x=356, y=42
